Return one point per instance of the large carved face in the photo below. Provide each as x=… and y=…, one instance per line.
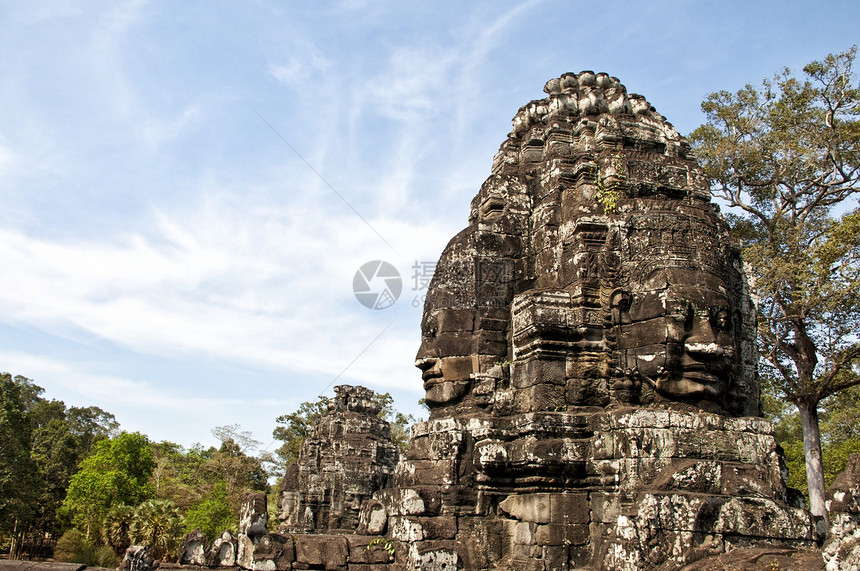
x=467, y=311
x=445, y=356
x=677, y=333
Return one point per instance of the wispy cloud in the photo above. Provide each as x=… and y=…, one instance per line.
x=153, y=223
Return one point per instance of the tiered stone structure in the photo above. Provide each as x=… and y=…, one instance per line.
x=588, y=357
x=345, y=458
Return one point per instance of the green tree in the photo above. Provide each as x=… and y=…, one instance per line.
x=786, y=158
x=239, y=471
x=118, y=472
x=18, y=474
x=213, y=515
x=158, y=524
x=116, y=527
x=207, y=484
x=89, y=425
x=293, y=428
x=400, y=422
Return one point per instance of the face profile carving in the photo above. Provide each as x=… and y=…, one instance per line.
x=556, y=297
x=444, y=357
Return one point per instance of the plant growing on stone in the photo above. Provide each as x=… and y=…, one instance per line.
x=382, y=542
x=786, y=158
x=608, y=189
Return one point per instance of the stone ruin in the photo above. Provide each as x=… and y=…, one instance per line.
x=842, y=549
x=346, y=457
x=588, y=358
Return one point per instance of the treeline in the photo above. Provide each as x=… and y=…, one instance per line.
x=73, y=485
x=70, y=473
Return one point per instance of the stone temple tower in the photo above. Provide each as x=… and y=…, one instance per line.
x=588, y=356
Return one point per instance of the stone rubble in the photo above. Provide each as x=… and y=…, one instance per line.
x=842, y=549
x=192, y=549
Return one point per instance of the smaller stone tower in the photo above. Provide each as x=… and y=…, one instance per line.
x=347, y=456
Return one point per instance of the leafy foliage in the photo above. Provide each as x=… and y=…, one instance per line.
x=213, y=515
x=73, y=547
x=116, y=527
x=786, y=158
x=207, y=484
x=293, y=428
x=62, y=467
x=17, y=471
x=158, y=524
x=117, y=472
x=840, y=436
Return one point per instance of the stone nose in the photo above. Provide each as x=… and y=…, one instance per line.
x=703, y=340
x=426, y=363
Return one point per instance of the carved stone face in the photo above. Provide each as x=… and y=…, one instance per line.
x=444, y=356
x=467, y=311
x=678, y=334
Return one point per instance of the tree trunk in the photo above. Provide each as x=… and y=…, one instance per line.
x=812, y=454
x=12, y=540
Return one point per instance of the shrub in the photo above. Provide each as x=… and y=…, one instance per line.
x=73, y=547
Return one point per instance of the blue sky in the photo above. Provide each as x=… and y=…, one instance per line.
x=166, y=255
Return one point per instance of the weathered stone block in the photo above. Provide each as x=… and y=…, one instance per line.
x=138, y=558
x=555, y=557
x=368, y=550
x=274, y=552
x=528, y=507
x=605, y=507
x=562, y=534
x=244, y=551
x=401, y=501
x=403, y=528
x=439, y=555
x=524, y=533
x=439, y=527
x=570, y=508
x=330, y=551
x=540, y=398
x=254, y=515
x=373, y=518
x=222, y=552
x=192, y=549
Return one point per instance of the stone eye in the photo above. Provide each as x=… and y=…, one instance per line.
x=720, y=318
x=492, y=206
x=681, y=312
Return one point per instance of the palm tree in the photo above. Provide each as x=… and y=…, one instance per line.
x=115, y=527
x=158, y=524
